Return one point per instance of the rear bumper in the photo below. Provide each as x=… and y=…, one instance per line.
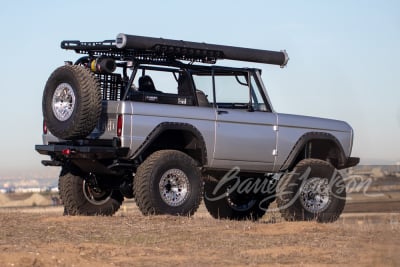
x=96, y=157
x=84, y=149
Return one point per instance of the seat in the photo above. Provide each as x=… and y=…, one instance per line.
x=146, y=84
x=202, y=99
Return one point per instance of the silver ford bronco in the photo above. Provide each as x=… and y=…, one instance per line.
x=156, y=120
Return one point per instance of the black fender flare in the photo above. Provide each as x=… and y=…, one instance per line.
x=305, y=139
x=165, y=126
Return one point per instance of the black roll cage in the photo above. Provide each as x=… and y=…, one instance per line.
x=153, y=60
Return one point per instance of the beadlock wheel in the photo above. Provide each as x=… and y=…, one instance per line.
x=168, y=182
x=63, y=102
x=314, y=195
x=313, y=190
x=174, y=187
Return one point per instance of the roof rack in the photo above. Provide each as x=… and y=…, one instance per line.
x=127, y=47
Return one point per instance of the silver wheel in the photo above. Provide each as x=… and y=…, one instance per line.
x=63, y=102
x=315, y=195
x=96, y=196
x=168, y=182
x=314, y=190
x=174, y=187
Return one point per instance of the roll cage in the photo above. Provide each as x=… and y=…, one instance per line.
x=131, y=52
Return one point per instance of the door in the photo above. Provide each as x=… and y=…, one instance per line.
x=245, y=129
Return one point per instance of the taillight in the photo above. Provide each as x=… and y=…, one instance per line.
x=66, y=152
x=44, y=127
x=120, y=122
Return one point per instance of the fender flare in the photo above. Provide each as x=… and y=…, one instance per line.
x=165, y=126
x=305, y=139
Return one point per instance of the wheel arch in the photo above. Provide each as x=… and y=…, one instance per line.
x=316, y=145
x=174, y=135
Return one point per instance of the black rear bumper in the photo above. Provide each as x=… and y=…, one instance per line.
x=88, y=155
x=84, y=149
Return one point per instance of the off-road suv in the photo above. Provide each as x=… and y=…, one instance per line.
x=156, y=120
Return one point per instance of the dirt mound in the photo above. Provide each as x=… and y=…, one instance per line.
x=4, y=199
x=37, y=199
x=34, y=200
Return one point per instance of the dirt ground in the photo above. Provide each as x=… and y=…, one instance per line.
x=43, y=237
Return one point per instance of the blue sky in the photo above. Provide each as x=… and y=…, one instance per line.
x=344, y=60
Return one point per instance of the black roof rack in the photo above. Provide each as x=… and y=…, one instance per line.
x=129, y=47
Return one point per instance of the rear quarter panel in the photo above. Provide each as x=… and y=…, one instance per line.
x=145, y=117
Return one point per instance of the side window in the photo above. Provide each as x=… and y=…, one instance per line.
x=231, y=89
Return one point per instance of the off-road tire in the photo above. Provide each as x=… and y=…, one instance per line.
x=233, y=206
x=81, y=116
x=77, y=202
x=161, y=173
x=298, y=200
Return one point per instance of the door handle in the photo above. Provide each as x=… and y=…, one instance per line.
x=220, y=112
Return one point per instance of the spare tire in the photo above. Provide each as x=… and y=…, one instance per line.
x=71, y=102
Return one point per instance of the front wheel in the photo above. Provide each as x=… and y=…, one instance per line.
x=314, y=190
x=82, y=198
x=168, y=182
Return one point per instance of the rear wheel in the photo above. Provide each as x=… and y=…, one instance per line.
x=314, y=190
x=82, y=198
x=224, y=204
x=71, y=102
x=168, y=182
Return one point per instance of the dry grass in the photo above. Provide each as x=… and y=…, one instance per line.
x=46, y=238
